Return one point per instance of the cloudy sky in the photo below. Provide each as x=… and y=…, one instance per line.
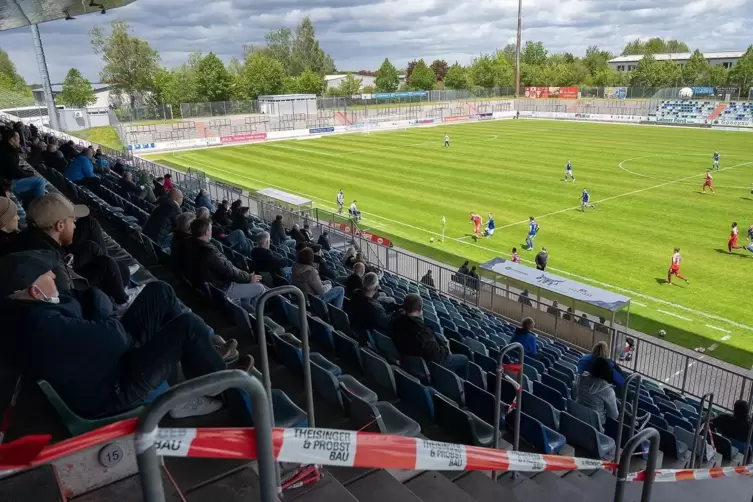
x=360, y=33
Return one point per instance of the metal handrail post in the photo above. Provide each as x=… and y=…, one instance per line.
x=498, y=397
x=262, y=335
x=625, y=392
x=701, y=420
x=213, y=383
x=627, y=455
x=746, y=453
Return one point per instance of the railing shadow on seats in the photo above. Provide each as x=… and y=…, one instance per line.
x=652, y=435
x=634, y=410
x=146, y=430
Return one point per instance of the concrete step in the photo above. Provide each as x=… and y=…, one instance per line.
x=35, y=484
x=380, y=486
x=564, y=491
x=125, y=490
x=480, y=486
x=433, y=486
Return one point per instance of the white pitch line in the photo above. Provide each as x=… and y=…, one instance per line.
x=559, y=271
x=718, y=328
x=621, y=166
x=674, y=315
x=639, y=304
x=679, y=372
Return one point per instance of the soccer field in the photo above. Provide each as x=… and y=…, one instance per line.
x=645, y=182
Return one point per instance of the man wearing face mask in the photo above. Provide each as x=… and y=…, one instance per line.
x=100, y=365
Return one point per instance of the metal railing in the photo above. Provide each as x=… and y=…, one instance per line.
x=627, y=455
x=702, y=427
x=518, y=397
x=680, y=370
x=635, y=377
x=147, y=432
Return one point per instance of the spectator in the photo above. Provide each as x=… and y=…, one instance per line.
x=413, y=339
x=101, y=164
x=323, y=241
x=427, y=280
x=542, y=258
x=69, y=150
x=161, y=222
x=583, y=321
x=167, y=182
x=354, y=212
x=221, y=216
x=736, y=425
x=365, y=312
x=350, y=257
x=54, y=159
x=142, y=192
x=601, y=350
x=307, y=233
x=568, y=316
x=158, y=187
x=202, y=213
x=595, y=392
x=264, y=261
x=99, y=365
x=241, y=221
x=554, y=309
x=234, y=207
x=524, y=298
x=306, y=278
x=25, y=184
x=298, y=235
x=602, y=327
x=209, y=265
x=8, y=224
x=36, y=155
x=473, y=281
x=278, y=235
x=119, y=168
x=463, y=270
x=524, y=336
x=52, y=226
x=355, y=280
x=179, y=245
x=203, y=200
x=81, y=170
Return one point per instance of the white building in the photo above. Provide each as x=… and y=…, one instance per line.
x=101, y=92
x=728, y=59
x=334, y=81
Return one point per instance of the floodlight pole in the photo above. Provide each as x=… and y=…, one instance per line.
x=42, y=66
x=517, y=51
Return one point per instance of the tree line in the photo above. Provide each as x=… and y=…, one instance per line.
x=292, y=61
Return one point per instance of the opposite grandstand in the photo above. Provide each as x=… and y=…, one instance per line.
x=645, y=182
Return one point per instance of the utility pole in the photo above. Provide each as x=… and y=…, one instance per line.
x=517, y=52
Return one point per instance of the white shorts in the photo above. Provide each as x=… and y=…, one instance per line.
x=716, y=163
x=489, y=231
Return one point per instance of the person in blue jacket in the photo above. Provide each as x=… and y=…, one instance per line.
x=203, y=200
x=601, y=350
x=81, y=169
x=524, y=336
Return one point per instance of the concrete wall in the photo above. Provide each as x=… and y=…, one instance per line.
x=69, y=121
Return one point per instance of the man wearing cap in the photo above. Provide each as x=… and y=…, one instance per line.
x=8, y=223
x=52, y=222
x=97, y=364
x=161, y=222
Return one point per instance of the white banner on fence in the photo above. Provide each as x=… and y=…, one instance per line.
x=174, y=145
x=287, y=134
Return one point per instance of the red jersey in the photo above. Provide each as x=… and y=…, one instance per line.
x=515, y=258
x=476, y=219
x=708, y=178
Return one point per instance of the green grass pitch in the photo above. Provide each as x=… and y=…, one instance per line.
x=645, y=183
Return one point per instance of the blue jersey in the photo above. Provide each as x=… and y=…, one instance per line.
x=586, y=196
x=490, y=224
x=533, y=227
x=716, y=157
x=569, y=166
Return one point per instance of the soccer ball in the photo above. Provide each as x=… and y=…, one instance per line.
x=431, y=239
x=686, y=93
x=662, y=333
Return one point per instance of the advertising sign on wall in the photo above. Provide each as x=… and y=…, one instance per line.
x=142, y=146
x=393, y=95
x=615, y=92
x=551, y=92
x=347, y=229
x=455, y=118
x=244, y=138
x=321, y=130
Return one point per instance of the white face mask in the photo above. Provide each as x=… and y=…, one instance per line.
x=54, y=300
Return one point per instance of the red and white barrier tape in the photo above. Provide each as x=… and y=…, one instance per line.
x=664, y=476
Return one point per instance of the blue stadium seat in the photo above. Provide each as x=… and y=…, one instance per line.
x=447, y=383
x=379, y=371
x=482, y=403
x=541, y=410
x=485, y=362
x=417, y=367
x=386, y=347
x=340, y=321
x=476, y=375
x=328, y=386
x=584, y=414
x=380, y=416
x=465, y=426
x=321, y=334
x=347, y=349
x=461, y=348
x=550, y=395
x=413, y=394
x=476, y=346
x=537, y=365
x=539, y=436
x=319, y=308
x=671, y=446
x=581, y=435
x=556, y=384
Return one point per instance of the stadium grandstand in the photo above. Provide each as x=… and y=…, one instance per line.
x=170, y=337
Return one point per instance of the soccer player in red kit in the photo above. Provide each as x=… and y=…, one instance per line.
x=708, y=182
x=674, y=268
x=515, y=258
x=732, y=242
x=476, y=220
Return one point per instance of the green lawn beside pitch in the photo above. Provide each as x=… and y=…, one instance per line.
x=645, y=183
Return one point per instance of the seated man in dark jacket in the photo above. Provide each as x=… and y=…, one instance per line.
x=208, y=264
x=278, y=235
x=142, y=192
x=734, y=426
x=222, y=215
x=99, y=365
x=179, y=246
x=323, y=241
x=26, y=185
x=264, y=261
x=412, y=338
x=355, y=280
x=365, y=312
x=161, y=222
x=54, y=158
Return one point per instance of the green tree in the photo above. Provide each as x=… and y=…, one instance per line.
x=10, y=80
x=533, y=53
x=262, y=75
x=456, y=77
x=742, y=73
x=645, y=72
x=531, y=74
x=668, y=74
x=368, y=89
x=715, y=76
x=307, y=53
x=280, y=47
x=439, y=67
x=77, y=91
x=608, y=77
x=596, y=60
x=350, y=85
x=130, y=64
x=510, y=53
x=310, y=83
x=484, y=71
x=422, y=78
x=387, y=78
x=213, y=81
x=654, y=46
x=695, y=70
x=676, y=46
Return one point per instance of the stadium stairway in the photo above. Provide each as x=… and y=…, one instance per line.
x=717, y=111
x=229, y=480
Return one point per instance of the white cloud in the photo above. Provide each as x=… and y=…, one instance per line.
x=359, y=34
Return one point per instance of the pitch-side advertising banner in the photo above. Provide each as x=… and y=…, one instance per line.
x=244, y=138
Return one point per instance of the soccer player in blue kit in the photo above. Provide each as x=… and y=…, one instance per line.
x=585, y=201
x=716, y=160
x=569, y=171
x=533, y=229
